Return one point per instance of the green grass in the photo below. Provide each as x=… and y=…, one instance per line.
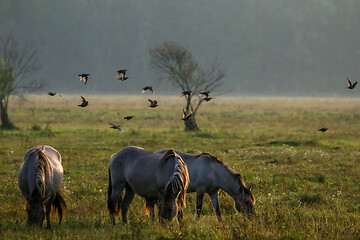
x=306, y=183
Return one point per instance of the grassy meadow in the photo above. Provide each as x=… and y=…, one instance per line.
x=306, y=183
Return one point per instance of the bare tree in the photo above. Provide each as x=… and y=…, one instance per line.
x=175, y=64
x=16, y=62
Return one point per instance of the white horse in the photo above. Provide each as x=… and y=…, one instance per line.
x=40, y=180
x=209, y=175
x=152, y=176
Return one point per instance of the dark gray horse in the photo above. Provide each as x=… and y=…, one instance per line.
x=40, y=180
x=209, y=175
x=152, y=176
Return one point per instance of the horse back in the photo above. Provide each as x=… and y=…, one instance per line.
x=146, y=173
x=203, y=169
x=53, y=173
x=138, y=169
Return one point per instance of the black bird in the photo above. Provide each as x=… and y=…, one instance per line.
x=84, y=103
x=53, y=94
x=186, y=116
x=186, y=94
x=123, y=78
x=351, y=85
x=113, y=126
x=207, y=99
x=128, y=117
x=147, y=88
x=205, y=93
x=84, y=77
x=323, y=129
x=153, y=103
x=121, y=74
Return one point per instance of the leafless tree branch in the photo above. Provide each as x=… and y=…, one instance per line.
x=174, y=63
x=16, y=63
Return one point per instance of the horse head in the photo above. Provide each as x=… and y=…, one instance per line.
x=244, y=200
x=169, y=206
x=35, y=208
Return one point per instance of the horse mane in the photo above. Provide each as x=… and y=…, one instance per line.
x=179, y=181
x=41, y=168
x=244, y=188
x=214, y=158
x=237, y=175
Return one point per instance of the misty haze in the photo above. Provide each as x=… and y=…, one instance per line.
x=265, y=47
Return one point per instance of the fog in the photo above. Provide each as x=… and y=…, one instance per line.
x=277, y=47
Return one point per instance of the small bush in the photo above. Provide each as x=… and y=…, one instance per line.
x=36, y=128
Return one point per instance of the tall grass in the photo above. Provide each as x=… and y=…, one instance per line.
x=306, y=183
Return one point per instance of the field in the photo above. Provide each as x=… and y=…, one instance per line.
x=306, y=183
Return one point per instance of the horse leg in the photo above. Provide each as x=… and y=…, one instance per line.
x=48, y=204
x=47, y=213
x=150, y=208
x=180, y=217
x=152, y=213
x=215, y=202
x=113, y=199
x=199, y=202
x=129, y=196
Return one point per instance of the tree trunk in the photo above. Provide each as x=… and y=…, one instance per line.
x=5, y=122
x=191, y=125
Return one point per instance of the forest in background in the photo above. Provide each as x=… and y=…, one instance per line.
x=278, y=47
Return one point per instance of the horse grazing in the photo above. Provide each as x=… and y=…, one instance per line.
x=40, y=179
x=152, y=176
x=209, y=175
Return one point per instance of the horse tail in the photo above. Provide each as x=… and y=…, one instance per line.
x=110, y=203
x=148, y=206
x=59, y=203
x=41, y=168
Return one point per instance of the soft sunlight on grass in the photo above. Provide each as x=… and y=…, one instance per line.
x=306, y=183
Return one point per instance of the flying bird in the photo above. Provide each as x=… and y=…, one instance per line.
x=153, y=103
x=323, y=129
x=121, y=74
x=123, y=78
x=207, y=99
x=351, y=85
x=84, y=77
x=128, y=117
x=113, y=126
x=186, y=116
x=53, y=94
x=84, y=103
x=186, y=94
x=147, y=88
x=205, y=93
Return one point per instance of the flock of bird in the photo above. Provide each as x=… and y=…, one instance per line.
x=121, y=75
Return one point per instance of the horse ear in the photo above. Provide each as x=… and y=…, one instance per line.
x=168, y=153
